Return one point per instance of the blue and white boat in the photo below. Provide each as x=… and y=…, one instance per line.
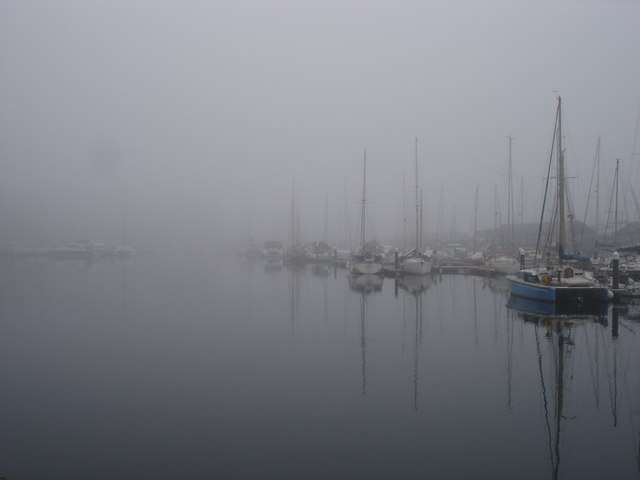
x=561, y=282
x=546, y=310
x=558, y=285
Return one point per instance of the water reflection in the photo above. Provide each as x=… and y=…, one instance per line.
x=295, y=273
x=272, y=264
x=562, y=335
x=364, y=285
x=415, y=286
x=392, y=378
x=527, y=306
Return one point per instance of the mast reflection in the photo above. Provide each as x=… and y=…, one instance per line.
x=416, y=287
x=296, y=271
x=364, y=285
x=555, y=324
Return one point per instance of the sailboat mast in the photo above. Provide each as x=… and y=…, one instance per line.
x=510, y=212
x=417, y=204
x=364, y=200
x=326, y=218
x=561, y=239
x=404, y=213
x=615, y=224
x=597, y=186
x=421, y=242
x=475, y=221
x=521, y=213
x=124, y=215
x=292, y=219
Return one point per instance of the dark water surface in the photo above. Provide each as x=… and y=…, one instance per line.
x=186, y=365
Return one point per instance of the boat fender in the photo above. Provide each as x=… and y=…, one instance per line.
x=568, y=272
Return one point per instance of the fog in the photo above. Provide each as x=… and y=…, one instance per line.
x=197, y=122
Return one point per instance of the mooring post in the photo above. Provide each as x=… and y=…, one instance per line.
x=616, y=269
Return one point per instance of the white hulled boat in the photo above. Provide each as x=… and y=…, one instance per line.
x=414, y=261
x=365, y=262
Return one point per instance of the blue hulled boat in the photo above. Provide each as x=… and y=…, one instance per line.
x=559, y=283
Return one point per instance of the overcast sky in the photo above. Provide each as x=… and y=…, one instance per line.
x=205, y=112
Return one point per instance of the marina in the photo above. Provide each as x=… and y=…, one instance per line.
x=319, y=240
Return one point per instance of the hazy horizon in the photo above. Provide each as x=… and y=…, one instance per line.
x=204, y=114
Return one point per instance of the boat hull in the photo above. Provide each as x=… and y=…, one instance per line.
x=414, y=266
x=527, y=306
x=506, y=265
x=367, y=268
x=557, y=294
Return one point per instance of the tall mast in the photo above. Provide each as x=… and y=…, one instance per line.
x=475, y=221
x=510, y=212
x=561, y=239
x=597, y=185
x=521, y=236
x=421, y=242
x=326, y=218
x=615, y=224
x=439, y=226
x=417, y=204
x=495, y=215
x=364, y=200
x=292, y=220
x=404, y=213
x=124, y=215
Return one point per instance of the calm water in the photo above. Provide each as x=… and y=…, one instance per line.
x=198, y=366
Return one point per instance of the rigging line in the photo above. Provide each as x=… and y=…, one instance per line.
x=586, y=208
x=415, y=366
x=421, y=315
x=404, y=321
x=626, y=187
x=510, y=326
x=363, y=344
x=609, y=382
x=559, y=390
x=544, y=395
x=633, y=148
x=610, y=211
x=546, y=188
x=548, y=239
x=572, y=227
x=594, y=375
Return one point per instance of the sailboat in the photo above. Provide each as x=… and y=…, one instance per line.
x=505, y=262
x=365, y=262
x=414, y=261
x=560, y=282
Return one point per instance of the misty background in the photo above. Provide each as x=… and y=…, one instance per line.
x=192, y=120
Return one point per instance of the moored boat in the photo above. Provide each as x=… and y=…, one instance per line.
x=414, y=261
x=365, y=262
x=272, y=248
x=562, y=282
